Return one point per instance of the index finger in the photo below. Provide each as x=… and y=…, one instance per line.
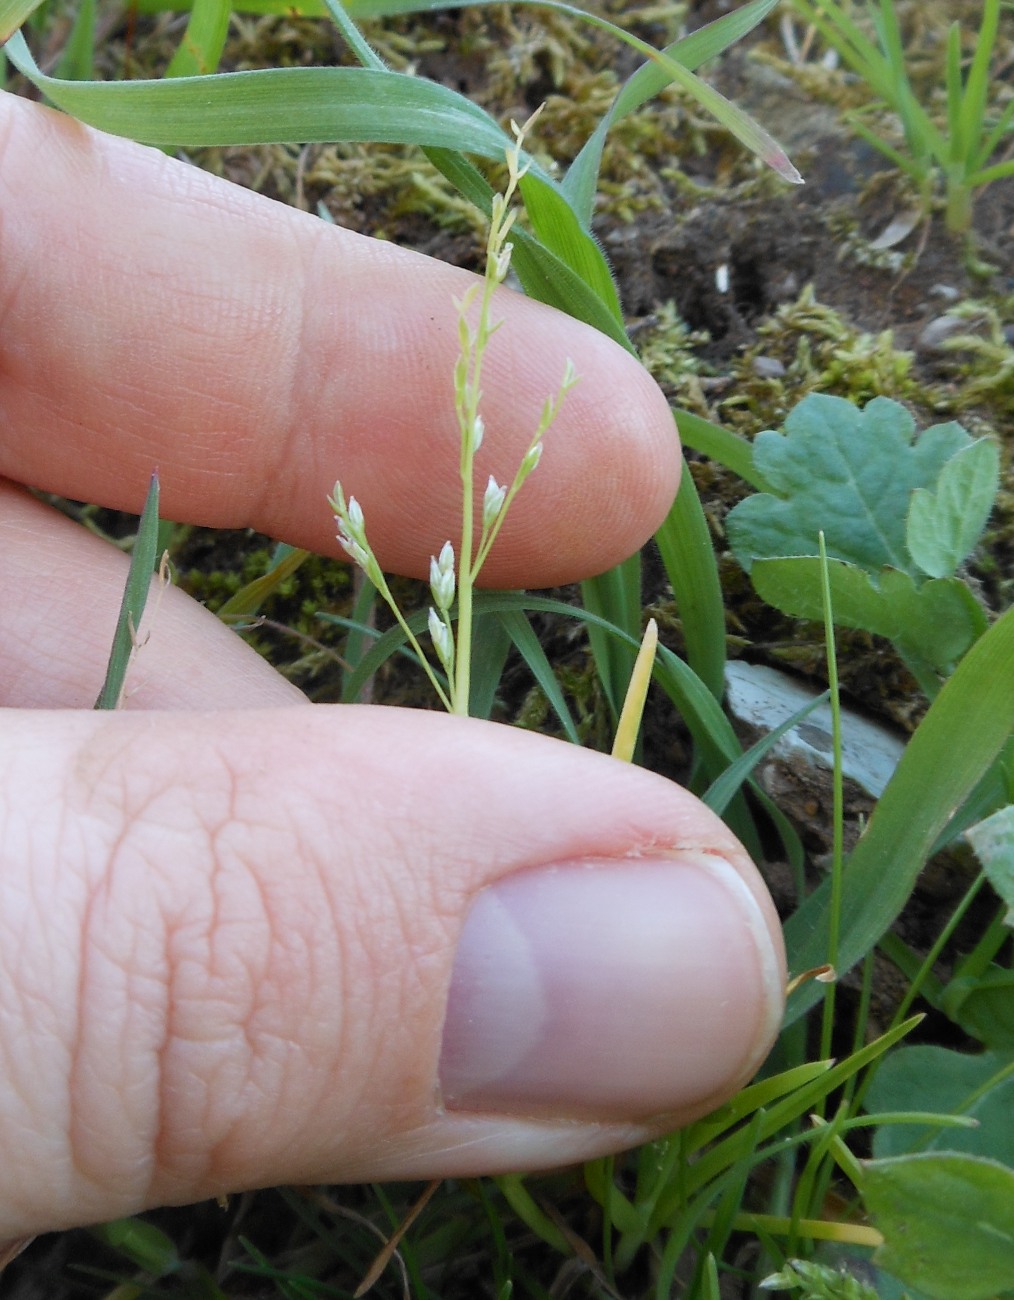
x=152, y=315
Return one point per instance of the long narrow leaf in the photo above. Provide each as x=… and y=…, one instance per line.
x=78, y=58
x=246, y=602
x=135, y=597
x=973, y=103
x=728, y=448
x=519, y=630
x=317, y=104
x=991, y=142
x=649, y=79
x=684, y=544
x=544, y=275
x=274, y=105
x=556, y=225
x=955, y=745
x=491, y=644
x=13, y=13
x=201, y=47
x=698, y=706
x=955, y=116
x=357, y=43
x=615, y=597
x=721, y=791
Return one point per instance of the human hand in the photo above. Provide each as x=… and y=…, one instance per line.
x=244, y=940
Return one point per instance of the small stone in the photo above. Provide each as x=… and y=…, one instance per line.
x=764, y=698
x=768, y=368
x=935, y=334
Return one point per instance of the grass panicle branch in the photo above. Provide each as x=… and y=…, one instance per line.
x=451, y=629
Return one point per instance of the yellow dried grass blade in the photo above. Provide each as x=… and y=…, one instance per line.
x=633, y=704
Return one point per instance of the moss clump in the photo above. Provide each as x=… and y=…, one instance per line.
x=666, y=346
x=807, y=346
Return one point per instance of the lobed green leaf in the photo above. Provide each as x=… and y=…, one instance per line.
x=947, y=1220
x=993, y=842
x=935, y=622
x=979, y=1086
x=846, y=472
x=945, y=522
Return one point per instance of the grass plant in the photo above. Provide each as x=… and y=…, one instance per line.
x=959, y=150
x=850, y=1138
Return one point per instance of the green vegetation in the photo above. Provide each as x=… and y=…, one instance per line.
x=899, y=517
x=966, y=152
x=819, y=1163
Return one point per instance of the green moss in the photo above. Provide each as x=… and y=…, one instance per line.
x=666, y=347
x=981, y=356
x=817, y=349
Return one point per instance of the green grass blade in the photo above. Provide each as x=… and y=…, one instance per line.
x=361, y=631
x=882, y=68
x=363, y=634
x=922, y=137
x=491, y=645
x=557, y=227
x=986, y=177
x=720, y=444
x=544, y=275
x=317, y=104
x=13, y=13
x=717, y=743
x=853, y=45
x=684, y=544
x=357, y=43
x=582, y=176
x=973, y=103
x=956, y=126
x=201, y=46
x=274, y=105
x=781, y=1114
x=991, y=142
x=889, y=33
x=720, y=792
x=78, y=58
x=954, y=747
x=615, y=598
x=247, y=601
x=135, y=597
x=519, y=630
x=692, y=51
x=554, y=221
x=698, y=706
x=759, y=1095
x=909, y=166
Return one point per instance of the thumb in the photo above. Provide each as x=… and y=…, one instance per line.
x=322, y=944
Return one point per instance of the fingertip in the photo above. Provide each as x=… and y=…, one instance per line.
x=256, y=354
x=610, y=465
x=611, y=990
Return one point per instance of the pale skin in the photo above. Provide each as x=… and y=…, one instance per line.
x=228, y=918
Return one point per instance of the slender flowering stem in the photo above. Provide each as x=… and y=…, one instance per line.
x=455, y=653
x=468, y=387
x=352, y=536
